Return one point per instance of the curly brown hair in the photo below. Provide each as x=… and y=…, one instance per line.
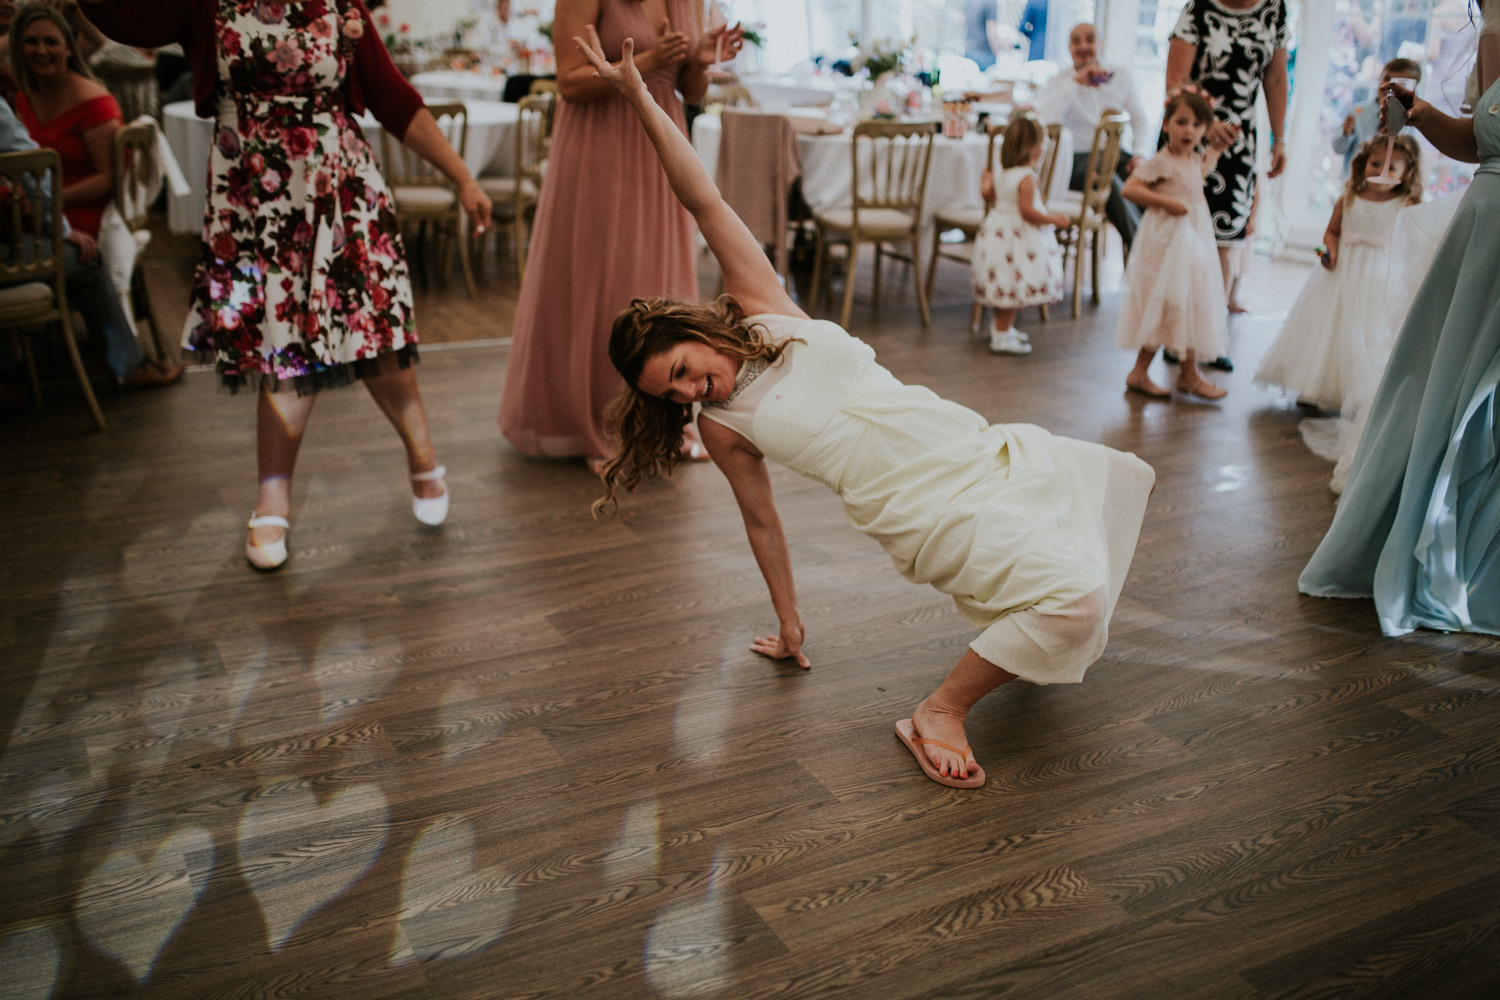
x=1411, y=178
x=1198, y=106
x=648, y=429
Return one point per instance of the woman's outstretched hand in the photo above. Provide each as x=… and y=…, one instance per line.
x=624, y=77
x=786, y=645
x=477, y=204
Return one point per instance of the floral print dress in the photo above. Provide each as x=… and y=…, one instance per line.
x=1015, y=264
x=303, y=277
x=1233, y=49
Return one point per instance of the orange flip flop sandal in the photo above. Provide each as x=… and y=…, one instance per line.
x=907, y=734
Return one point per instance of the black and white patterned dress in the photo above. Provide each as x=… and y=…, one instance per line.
x=1233, y=49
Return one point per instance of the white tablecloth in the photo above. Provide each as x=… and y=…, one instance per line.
x=814, y=93
x=490, y=151
x=827, y=181
x=459, y=85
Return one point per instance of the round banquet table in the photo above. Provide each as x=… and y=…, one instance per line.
x=459, y=85
x=490, y=151
x=827, y=169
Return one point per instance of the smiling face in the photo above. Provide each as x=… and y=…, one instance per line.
x=689, y=372
x=45, y=50
x=1083, y=46
x=1184, y=130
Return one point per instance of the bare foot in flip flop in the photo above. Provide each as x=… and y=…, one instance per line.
x=941, y=749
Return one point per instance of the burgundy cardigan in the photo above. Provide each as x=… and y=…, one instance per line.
x=373, y=83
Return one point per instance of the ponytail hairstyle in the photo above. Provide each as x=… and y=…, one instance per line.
x=1410, y=186
x=648, y=429
x=1022, y=135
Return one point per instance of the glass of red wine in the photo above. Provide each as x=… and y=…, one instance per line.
x=1400, y=92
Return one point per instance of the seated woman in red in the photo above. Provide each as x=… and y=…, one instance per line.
x=65, y=108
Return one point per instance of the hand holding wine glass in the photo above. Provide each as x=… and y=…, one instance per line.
x=1400, y=95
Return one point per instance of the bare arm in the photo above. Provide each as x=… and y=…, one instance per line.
x=1487, y=60
x=1180, y=56
x=1453, y=137
x=99, y=185
x=1274, y=80
x=748, y=477
x=748, y=274
x=90, y=39
x=1146, y=196
x=1333, y=233
x=425, y=139
x=576, y=79
x=1026, y=205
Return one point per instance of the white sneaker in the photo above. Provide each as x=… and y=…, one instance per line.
x=1025, y=337
x=1009, y=343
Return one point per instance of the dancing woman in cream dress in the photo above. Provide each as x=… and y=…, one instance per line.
x=1030, y=533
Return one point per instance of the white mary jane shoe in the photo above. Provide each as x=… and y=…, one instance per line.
x=431, y=511
x=269, y=556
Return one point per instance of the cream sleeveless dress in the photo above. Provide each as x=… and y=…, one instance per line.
x=1014, y=523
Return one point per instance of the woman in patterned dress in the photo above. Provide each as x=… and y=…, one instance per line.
x=303, y=280
x=1229, y=50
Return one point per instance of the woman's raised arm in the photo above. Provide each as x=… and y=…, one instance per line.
x=748, y=274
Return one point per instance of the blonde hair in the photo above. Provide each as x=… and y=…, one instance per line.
x=647, y=429
x=1411, y=179
x=1022, y=135
x=26, y=15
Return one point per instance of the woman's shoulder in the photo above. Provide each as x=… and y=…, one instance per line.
x=92, y=105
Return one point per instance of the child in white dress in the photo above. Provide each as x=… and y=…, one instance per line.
x=1341, y=321
x=1017, y=261
x=1174, y=294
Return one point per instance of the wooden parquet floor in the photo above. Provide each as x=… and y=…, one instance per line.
x=529, y=755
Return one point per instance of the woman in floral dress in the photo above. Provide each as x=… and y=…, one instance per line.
x=1229, y=50
x=303, y=281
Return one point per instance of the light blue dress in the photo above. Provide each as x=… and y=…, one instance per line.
x=1418, y=527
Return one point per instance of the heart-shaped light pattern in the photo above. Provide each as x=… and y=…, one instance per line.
x=448, y=907
x=130, y=908
x=299, y=856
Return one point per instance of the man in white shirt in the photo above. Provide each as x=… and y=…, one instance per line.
x=1077, y=99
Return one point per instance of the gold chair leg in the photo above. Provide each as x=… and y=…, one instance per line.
x=36, y=382
x=932, y=264
x=976, y=313
x=817, y=284
x=916, y=272
x=522, y=233
x=1098, y=255
x=1043, y=309
x=876, y=300
x=83, y=375
x=849, y=281
x=1078, y=275
x=462, y=239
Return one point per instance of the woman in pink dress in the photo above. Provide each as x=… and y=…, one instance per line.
x=608, y=228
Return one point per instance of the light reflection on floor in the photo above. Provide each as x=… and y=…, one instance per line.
x=687, y=951
x=297, y=855
x=130, y=907
x=29, y=960
x=450, y=908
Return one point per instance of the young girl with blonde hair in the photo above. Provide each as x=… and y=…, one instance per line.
x=1340, y=323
